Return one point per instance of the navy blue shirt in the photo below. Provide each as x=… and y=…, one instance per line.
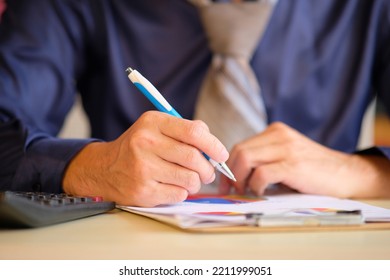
x=320, y=63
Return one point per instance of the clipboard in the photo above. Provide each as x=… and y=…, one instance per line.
x=309, y=218
x=278, y=214
x=244, y=228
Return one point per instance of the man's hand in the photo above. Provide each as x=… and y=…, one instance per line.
x=281, y=154
x=156, y=161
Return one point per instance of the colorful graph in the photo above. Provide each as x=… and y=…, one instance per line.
x=221, y=213
x=222, y=199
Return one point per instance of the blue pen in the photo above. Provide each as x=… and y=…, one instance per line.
x=162, y=105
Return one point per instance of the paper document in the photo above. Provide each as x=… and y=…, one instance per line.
x=269, y=211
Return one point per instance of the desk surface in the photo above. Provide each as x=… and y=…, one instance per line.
x=122, y=235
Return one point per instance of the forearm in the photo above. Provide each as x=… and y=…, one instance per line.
x=38, y=87
x=372, y=176
x=373, y=167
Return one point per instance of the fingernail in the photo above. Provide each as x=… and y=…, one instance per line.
x=212, y=179
x=225, y=154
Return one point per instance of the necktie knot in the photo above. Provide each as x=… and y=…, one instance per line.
x=233, y=29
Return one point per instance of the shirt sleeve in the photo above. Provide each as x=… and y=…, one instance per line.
x=42, y=166
x=11, y=151
x=41, y=57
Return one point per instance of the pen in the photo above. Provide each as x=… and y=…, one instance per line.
x=162, y=105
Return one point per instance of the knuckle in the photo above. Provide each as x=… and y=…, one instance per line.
x=142, y=138
x=202, y=124
x=209, y=175
x=192, y=157
x=145, y=119
x=243, y=157
x=196, y=130
x=278, y=126
x=258, y=179
x=176, y=174
x=176, y=195
x=140, y=195
x=284, y=132
x=216, y=145
x=143, y=195
x=148, y=116
x=192, y=182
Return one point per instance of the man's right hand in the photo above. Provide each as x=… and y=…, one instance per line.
x=156, y=161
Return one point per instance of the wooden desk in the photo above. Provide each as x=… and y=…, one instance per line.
x=121, y=235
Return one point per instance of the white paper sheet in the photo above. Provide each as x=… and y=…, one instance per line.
x=218, y=210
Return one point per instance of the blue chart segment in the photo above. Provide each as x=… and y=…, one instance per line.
x=223, y=199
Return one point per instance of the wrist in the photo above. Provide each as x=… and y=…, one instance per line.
x=81, y=174
x=372, y=176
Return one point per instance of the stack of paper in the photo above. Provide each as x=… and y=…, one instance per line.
x=284, y=210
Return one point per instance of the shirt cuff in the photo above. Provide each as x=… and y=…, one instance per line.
x=42, y=167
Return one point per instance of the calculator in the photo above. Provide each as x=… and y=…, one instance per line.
x=37, y=209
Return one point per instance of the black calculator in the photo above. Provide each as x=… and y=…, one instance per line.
x=31, y=209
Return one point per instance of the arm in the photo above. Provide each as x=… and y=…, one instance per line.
x=156, y=161
x=283, y=155
x=38, y=65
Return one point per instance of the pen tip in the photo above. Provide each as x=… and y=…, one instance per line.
x=129, y=70
x=225, y=170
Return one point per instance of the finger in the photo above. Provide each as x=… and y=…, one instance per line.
x=195, y=133
x=171, y=194
x=188, y=157
x=246, y=160
x=159, y=194
x=148, y=175
x=265, y=175
x=176, y=175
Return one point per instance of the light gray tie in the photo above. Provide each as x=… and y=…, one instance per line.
x=230, y=99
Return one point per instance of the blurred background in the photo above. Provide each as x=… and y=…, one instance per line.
x=382, y=126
